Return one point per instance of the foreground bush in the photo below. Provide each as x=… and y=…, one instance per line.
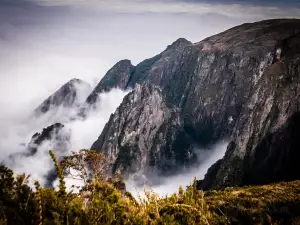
x=103, y=201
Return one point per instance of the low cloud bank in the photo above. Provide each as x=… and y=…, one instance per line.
x=77, y=134
x=171, y=184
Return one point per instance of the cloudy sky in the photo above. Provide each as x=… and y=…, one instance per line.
x=44, y=43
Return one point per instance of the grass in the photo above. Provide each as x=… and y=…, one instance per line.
x=269, y=204
x=103, y=201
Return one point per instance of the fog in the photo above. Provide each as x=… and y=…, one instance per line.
x=170, y=185
x=77, y=134
x=44, y=44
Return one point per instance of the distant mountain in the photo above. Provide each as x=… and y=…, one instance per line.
x=53, y=133
x=236, y=85
x=55, y=137
x=117, y=77
x=155, y=70
x=70, y=95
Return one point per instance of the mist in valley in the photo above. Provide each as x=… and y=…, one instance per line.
x=44, y=44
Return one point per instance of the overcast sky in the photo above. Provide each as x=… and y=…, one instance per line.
x=45, y=43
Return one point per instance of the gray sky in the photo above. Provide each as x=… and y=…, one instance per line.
x=45, y=43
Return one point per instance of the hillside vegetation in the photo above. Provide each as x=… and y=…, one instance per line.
x=103, y=200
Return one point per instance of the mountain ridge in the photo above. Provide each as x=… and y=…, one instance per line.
x=68, y=95
x=215, y=89
x=211, y=81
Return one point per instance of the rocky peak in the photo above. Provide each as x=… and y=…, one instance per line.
x=57, y=138
x=226, y=86
x=179, y=44
x=47, y=134
x=156, y=70
x=117, y=77
x=71, y=94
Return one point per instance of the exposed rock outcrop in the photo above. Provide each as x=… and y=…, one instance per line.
x=232, y=85
x=145, y=135
x=70, y=95
x=157, y=70
x=117, y=77
x=265, y=142
x=58, y=138
x=54, y=133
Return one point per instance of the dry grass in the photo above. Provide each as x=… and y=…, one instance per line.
x=269, y=204
x=104, y=202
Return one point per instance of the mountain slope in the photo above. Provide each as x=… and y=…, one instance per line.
x=137, y=132
x=117, y=77
x=70, y=95
x=265, y=141
x=212, y=84
x=156, y=70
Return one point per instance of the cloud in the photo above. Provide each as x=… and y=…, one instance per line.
x=46, y=43
x=170, y=185
x=233, y=8
x=82, y=134
x=249, y=2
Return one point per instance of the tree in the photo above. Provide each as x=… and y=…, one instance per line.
x=85, y=165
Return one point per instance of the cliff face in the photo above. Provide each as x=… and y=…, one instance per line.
x=145, y=135
x=265, y=142
x=117, y=77
x=234, y=85
x=157, y=70
x=219, y=74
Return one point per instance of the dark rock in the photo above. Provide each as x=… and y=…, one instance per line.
x=156, y=70
x=145, y=134
x=117, y=77
x=59, y=139
x=70, y=95
x=210, y=176
x=54, y=133
x=51, y=133
x=265, y=140
x=50, y=178
x=222, y=87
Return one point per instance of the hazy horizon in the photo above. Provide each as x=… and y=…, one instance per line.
x=45, y=43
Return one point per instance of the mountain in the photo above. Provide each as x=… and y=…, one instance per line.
x=55, y=133
x=264, y=146
x=117, y=77
x=236, y=85
x=135, y=134
x=55, y=137
x=70, y=95
x=157, y=70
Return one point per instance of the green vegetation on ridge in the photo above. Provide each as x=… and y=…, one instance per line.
x=104, y=201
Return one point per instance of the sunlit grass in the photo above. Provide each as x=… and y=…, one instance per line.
x=104, y=201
